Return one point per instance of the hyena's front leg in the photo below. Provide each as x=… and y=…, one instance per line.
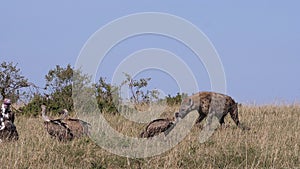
x=200, y=118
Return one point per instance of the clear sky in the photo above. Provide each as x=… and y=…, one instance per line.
x=258, y=41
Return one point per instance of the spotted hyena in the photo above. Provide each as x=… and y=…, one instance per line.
x=211, y=104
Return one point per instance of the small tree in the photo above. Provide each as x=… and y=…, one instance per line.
x=33, y=107
x=175, y=100
x=106, y=95
x=138, y=94
x=59, y=88
x=11, y=81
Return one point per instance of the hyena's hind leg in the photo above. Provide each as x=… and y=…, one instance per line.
x=235, y=117
x=222, y=122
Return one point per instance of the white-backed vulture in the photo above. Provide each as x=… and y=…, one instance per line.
x=8, y=130
x=78, y=127
x=158, y=126
x=56, y=128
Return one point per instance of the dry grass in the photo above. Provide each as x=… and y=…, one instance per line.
x=272, y=142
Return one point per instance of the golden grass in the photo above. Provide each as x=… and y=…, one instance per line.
x=272, y=142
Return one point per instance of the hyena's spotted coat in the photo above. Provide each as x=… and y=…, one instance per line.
x=213, y=104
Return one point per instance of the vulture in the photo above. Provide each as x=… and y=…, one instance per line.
x=78, y=127
x=158, y=126
x=56, y=127
x=6, y=112
x=9, y=132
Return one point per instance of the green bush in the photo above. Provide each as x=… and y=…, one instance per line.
x=175, y=100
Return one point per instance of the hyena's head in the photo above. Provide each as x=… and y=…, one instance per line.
x=187, y=106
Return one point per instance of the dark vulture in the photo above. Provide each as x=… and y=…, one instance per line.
x=78, y=127
x=158, y=126
x=56, y=127
x=9, y=132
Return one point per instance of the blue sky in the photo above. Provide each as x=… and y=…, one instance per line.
x=257, y=41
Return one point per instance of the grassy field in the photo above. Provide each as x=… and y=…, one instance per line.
x=272, y=142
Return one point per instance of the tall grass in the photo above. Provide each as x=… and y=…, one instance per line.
x=272, y=142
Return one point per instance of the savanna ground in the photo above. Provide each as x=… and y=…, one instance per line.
x=272, y=142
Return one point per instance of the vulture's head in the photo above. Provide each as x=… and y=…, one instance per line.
x=43, y=112
x=64, y=113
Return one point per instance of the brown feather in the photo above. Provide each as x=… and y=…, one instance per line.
x=156, y=127
x=78, y=127
x=65, y=128
x=59, y=130
x=56, y=128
